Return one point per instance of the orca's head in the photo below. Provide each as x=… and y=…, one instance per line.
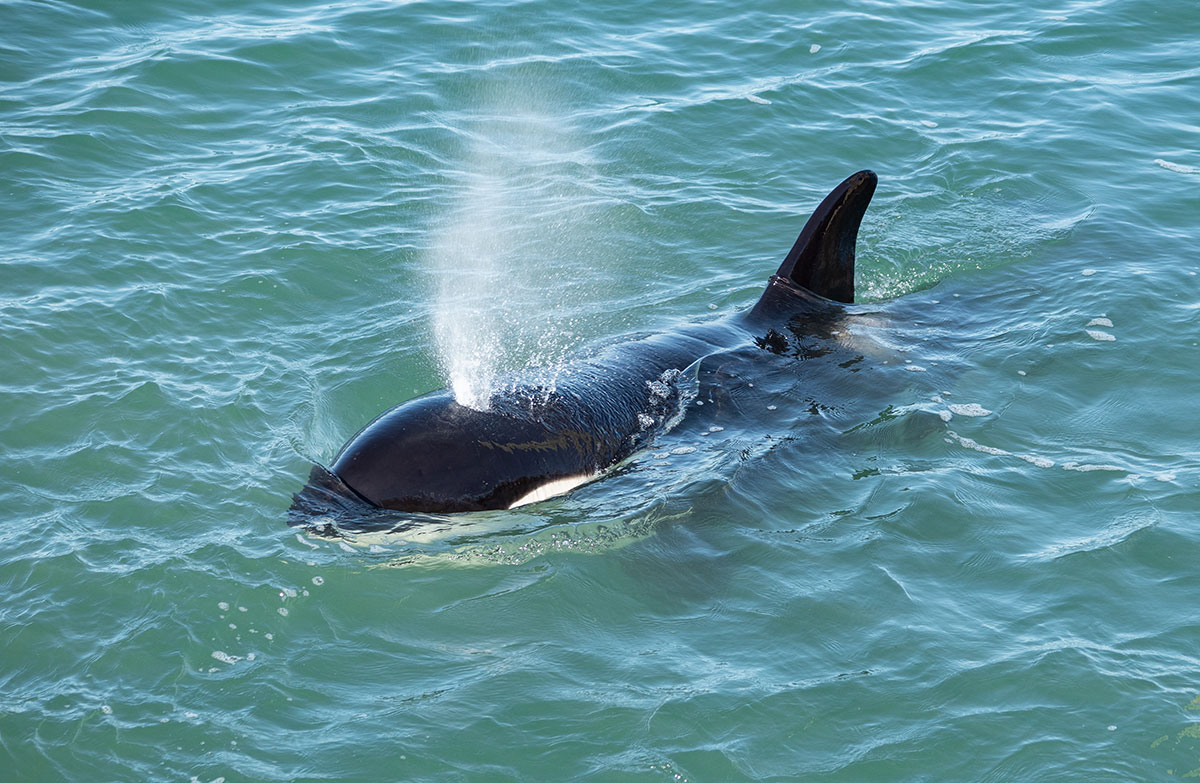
x=433, y=455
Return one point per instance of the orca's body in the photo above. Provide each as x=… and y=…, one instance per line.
x=431, y=454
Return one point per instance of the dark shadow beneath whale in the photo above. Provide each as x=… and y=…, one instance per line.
x=433, y=455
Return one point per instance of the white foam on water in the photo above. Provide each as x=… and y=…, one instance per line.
x=1033, y=459
x=225, y=657
x=1100, y=322
x=975, y=445
x=969, y=409
x=1103, y=337
x=1178, y=168
x=1082, y=468
x=223, y=606
x=814, y=48
x=753, y=99
x=914, y=368
x=318, y=580
x=1088, y=272
x=683, y=450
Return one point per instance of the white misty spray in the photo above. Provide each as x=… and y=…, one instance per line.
x=469, y=252
x=500, y=254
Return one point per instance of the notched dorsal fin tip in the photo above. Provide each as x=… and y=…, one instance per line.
x=822, y=260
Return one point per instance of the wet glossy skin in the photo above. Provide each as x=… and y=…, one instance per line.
x=433, y=455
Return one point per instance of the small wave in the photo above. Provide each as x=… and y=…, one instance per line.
x=1118, y=531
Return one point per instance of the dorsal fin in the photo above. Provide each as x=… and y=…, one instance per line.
x=822, y=260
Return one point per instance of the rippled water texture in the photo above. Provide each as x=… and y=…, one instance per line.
x=235, y=232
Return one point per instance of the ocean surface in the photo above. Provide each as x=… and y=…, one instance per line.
x=232, y=233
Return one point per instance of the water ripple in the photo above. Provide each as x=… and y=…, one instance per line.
x=229, y=233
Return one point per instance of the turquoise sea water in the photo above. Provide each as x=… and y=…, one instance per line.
x=235, y=232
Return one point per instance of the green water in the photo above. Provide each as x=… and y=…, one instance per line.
x=235, y=232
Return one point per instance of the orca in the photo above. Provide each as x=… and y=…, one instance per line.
x=533, y=442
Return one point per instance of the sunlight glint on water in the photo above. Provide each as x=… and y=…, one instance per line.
x=803, y=580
